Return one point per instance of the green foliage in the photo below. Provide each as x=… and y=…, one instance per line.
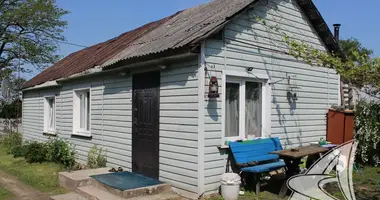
x=5, y=194
x=42, y=176
x=352, y=47
x=96, y=158
x=35, y=152
x=19, y=151
x=11, y=140
x=356, y=66
x=60, y=151
x=367, y=125
x=11, y=110
x=54, y=150
x=29, y=31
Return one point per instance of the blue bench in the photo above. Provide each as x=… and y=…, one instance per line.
x=252, y=156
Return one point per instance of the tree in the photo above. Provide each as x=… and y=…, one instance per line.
x=29, y=32
x=352, y=46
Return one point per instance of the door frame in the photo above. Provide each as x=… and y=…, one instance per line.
x=157, y=127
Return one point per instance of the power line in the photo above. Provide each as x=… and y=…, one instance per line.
x=69, y=43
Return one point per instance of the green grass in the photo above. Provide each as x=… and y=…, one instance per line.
x=5, y=194
x=264, y=195
x=43, y=177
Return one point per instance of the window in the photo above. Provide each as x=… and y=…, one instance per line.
x=246, y=112
x=81, y=121
x=49, y=115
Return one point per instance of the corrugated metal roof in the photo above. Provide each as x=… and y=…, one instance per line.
x=182, y=29
x=176, y=31
x=172, y=32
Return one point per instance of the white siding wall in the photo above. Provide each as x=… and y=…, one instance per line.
x=179, y=126
x=295, y=124
x=111, y=121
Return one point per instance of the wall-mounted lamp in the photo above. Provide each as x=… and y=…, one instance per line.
x=213, y=88
x=249, y=69
x=295, y=97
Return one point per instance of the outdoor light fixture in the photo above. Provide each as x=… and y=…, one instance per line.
x=295, y=96
x=213, y=88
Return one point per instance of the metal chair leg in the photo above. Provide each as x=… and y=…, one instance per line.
x=257, y=183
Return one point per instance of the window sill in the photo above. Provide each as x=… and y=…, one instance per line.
x=82, y=133
x=52, y=133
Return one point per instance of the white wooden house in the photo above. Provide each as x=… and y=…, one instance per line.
x=145, y=95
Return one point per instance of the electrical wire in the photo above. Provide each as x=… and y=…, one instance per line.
x=72, y=44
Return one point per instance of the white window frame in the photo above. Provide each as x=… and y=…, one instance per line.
x=47, y=129
x=76, y=113
x=239, y=77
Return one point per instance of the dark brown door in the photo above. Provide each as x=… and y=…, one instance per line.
x=145, y=128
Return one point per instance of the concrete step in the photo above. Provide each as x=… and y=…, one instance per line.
x=94, y=193
x=137, y=192
x=69, y=196
x=74, y=179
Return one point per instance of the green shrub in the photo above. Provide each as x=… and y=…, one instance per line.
x=96, y=158
x=35, y=152
x=11, y=140
x=19, y=151
x=60, y=151
x=367, y=125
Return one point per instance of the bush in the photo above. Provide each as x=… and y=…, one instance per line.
x=11, y=140
x=35, y=152
x=19, y=151
x=96, y=158
x=60, y=151
x=367, y=125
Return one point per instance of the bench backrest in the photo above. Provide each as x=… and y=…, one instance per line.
x=253, y=151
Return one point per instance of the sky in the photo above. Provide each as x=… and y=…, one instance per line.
x=94, y=21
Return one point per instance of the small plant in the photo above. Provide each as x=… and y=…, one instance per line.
x=11, y=140
x=19, y=151
x=60, y=151
x=35, y=152
x=96, y=158
x=367, y=125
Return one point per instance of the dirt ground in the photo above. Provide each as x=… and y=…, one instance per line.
x=19, y=189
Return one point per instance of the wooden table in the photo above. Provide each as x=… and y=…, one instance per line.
x=292, y=160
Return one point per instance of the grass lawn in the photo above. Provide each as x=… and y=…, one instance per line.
x=5, y=194
x=43, y=177
x=365, y=183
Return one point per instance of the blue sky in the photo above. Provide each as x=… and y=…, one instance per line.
x=94, y=21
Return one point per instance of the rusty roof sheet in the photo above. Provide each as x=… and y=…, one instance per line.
x=92, y=56
x=172, y=32
x=181, y=29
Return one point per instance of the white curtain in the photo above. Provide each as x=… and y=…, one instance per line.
x=51, y=114
x=232, y=110
x=253, y=109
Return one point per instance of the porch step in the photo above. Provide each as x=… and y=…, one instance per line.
x=94, y=193
x=69, y=196
x=136, y=192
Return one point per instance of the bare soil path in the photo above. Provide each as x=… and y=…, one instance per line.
x=20, y=190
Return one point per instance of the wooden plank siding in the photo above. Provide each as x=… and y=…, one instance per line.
x=111, y=121
x=296, y=124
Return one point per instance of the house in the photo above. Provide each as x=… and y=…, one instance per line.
x=164, y=98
